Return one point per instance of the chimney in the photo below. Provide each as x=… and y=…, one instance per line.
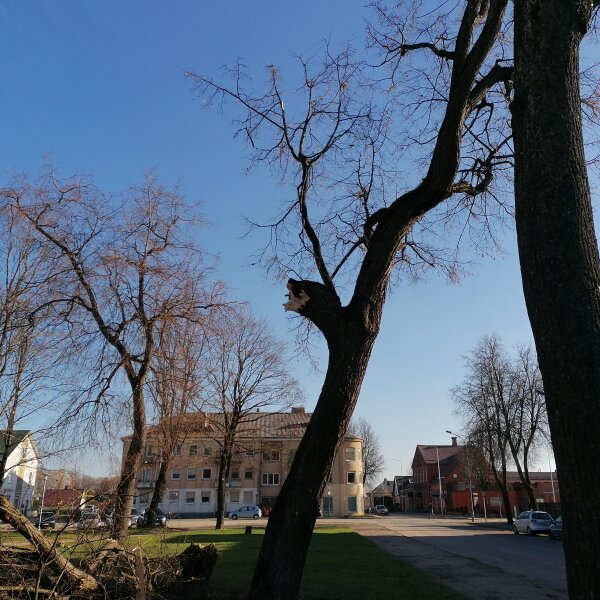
x=297, y=410
x=454, y=441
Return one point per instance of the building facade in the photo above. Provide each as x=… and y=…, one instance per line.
x=21, y=468
x=263, y=455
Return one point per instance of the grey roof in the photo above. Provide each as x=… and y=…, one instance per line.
x=13, y=439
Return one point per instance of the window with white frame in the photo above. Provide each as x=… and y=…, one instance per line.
x=193, y=449
x=270, y=478
x=234, y=496
x=235, y=473
x=205, y=497
x=248, y=474
x=350, y=453
x=191, y=473
x=190, y=497
x=175, y=474
x=207, y=473
x=173, y=496
x=351, y=477
x=248, y=497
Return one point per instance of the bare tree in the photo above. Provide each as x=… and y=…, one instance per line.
x=126, y=267
x=373, y=459
x=558, y=252
x=247, y=374
x=502, y=403
x=177, y=374
x=350, y=226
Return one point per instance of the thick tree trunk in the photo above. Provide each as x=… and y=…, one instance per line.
x=126, y=486
x=46, y=549
x=159, y=486
x=559, y=262
x=283, y=553
x=224, y=464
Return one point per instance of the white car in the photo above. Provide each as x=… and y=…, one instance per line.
x=532, y=522
x=246, y=512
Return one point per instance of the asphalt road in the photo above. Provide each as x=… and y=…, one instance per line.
x=483, y=563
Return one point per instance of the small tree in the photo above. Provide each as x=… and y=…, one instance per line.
x=175, y=385
x=247, y=374
x=373, y=459
x=502, y=403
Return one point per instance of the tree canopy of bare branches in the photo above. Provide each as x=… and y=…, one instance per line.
x=123, y=266
x=246, y=374
x=502, y=402
x=373, y=459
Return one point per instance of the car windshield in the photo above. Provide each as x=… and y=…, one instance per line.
x=541, y=516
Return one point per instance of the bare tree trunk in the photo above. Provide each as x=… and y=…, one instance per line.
x=560, y=266
x=283, y=553
x=159, y=486
x=224, y=467
x=126, y=486
x=45, y=548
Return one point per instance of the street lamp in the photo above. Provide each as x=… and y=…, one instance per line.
x=469, y=468
x=439, y=479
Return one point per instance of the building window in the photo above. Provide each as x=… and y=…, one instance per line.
x=234, y=497
x=248, y=474
x=249, y=451
x=350, y=454
x=207, y=451
x=235, y=473
x=270, y=455
x=191, y=473
x=327, y=504
x=248, y=497
x=205, y=497
x=270, y=478
x=193, y=449
x=351, y=503
x=177, y=450
x=175, y=474
x=351, y=477
x=190, y=497
x=207, y=473
x=173, y=496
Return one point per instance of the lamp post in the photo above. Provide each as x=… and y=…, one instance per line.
x=439, y=479
x=469, y=468
x=42, y=503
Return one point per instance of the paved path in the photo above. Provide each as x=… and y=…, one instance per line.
x=481, y=563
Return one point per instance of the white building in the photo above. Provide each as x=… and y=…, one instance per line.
x=21, y=467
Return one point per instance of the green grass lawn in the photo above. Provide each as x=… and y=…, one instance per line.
x=341, y=565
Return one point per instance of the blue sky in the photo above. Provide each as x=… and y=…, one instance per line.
x=99, y=88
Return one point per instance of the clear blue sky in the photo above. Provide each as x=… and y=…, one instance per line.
x=99, y=87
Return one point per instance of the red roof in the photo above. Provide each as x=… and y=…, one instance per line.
x=63, y=497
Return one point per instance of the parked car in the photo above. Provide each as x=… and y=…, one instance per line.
x=532, y=522
x=246, y=512
x=370, y=511
x=134, y=518
x=160, y=519
x=47, y=520
x=381, y=509
x=91, y=521
x=556, y=529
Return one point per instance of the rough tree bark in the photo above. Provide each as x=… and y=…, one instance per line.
x=559, y=261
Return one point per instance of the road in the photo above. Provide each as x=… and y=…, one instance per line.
x=483, y=563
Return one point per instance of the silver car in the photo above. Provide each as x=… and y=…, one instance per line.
x=246, y=512
x=532, y=522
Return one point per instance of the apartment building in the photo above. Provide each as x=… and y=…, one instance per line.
x=265, y=449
